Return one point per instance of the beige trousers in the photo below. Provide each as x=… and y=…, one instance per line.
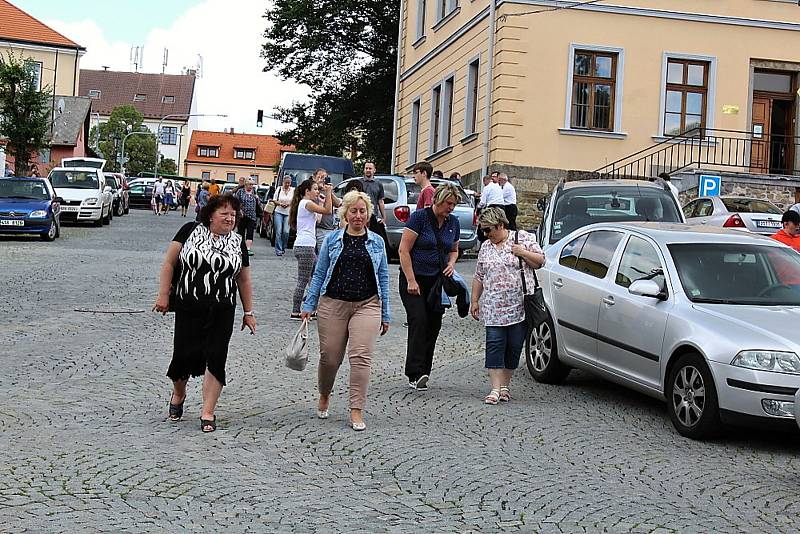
x=350, y=326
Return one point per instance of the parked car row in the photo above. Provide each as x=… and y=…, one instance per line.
x=701, y=317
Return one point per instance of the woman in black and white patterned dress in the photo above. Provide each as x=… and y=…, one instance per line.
x=205, y=267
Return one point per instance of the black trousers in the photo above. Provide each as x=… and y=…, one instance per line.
x=423, y=327
x=379, y=229
x=511, y=215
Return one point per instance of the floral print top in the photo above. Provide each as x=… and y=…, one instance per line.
x=501, y=303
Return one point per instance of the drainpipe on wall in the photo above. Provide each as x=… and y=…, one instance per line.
x=397, y=89
x=487, y=127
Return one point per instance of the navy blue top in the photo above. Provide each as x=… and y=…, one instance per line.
x=425, y=259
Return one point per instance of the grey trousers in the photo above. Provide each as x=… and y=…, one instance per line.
x=305, y=268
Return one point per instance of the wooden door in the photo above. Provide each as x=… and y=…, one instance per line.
x=759, y=148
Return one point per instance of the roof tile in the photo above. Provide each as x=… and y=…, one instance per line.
x=16, y=25
x=268, y=148
x=119, y=88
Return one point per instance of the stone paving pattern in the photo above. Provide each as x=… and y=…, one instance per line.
x=85, y=445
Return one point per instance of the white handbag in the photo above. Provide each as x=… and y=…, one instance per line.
x=297, y=349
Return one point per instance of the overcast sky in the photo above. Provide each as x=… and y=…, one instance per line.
x=227, y=34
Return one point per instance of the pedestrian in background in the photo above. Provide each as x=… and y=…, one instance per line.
x=206, y=265
x=428, y=249
x=790, y=233
x=169, y=194
x=185, y=196
x=158, y=195
x=422, y=177
x=437, y=174
x=509, y=200
x=325, y=223
x=456, y=177
x=249, y=204
x=303, y=218
x=350, y=294
x=374, y=189
x=213, y=189
x=497, y=296
x=202, y=199
x=280, y=217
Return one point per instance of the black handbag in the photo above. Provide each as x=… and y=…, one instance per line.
x=446, y=283
x=535, y=310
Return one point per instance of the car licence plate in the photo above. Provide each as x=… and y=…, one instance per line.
x=70, y=208
x=768, y=224
x=6, y=222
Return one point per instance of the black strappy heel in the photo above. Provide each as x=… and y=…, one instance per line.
x=176, y=410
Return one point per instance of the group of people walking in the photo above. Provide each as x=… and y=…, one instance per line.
x=343, y=283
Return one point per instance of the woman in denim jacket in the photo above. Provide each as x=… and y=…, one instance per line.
x=351, y=298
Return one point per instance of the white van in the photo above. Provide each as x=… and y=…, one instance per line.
x=80, y=182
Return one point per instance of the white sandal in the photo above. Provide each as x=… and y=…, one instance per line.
x=505, y=394
x=493, y=397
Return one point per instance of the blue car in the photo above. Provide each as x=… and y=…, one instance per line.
x=29, y=206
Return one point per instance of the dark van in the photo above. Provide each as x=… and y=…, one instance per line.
x=302, y=166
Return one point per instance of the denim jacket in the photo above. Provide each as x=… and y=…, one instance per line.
x=328, y=256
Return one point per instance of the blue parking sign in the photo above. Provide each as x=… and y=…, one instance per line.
x=709, y=185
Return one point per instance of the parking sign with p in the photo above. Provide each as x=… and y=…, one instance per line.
x=709, y=185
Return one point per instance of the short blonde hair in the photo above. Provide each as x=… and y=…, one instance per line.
x=350, y=199
x=493, y=217
x=445, y=191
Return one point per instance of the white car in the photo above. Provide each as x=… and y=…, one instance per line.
x=86, y=196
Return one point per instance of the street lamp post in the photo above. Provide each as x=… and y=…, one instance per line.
x=173, y=116
x=122, y=157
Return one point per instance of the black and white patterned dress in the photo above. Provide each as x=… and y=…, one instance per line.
x=205, y=300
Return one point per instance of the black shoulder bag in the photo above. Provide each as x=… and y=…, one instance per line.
x=447, y=283
x=535, y=310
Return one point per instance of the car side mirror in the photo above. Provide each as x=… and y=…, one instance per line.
x=647, y=288
x=58, y=199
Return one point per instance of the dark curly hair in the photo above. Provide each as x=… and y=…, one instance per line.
x=218, y=202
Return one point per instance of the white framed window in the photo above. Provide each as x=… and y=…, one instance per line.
x=140, y=97
x=688, y=90
x=168, y=99
x=471, y=109
x=169, y=135
x=208, y=151
x=36, y=68
x=413, y=136
x=206, y=175
x=594, y=91
x=230, y=177
x=422, y=6
x=244, y=153
x=444, y=8
x=441, y=114
x=95, y=94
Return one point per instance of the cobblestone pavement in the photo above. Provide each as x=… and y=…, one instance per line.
x=86, y=447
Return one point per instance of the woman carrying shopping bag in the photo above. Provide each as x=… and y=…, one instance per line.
x=498, y=296
x=350, y=293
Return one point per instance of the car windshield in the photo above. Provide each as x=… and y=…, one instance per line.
x=29, y=189
x=301, y=175
x=414, y=190
x=750, y=205
x=735, y=273
x=74, y=179
x=581, y=206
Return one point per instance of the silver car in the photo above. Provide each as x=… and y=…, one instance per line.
x=401, y=194
x=742, y=213
x=703, y=318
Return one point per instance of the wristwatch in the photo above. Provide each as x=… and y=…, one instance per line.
x=250, y=313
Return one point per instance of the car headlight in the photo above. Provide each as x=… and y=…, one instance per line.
x=768, y=360
x=38, y=214
x=90, y=201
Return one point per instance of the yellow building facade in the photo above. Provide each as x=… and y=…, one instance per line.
x=573, y=86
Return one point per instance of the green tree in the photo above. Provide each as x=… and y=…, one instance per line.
x=140, y=150
x=346, y=51
x=168, y=167
x=24, y=111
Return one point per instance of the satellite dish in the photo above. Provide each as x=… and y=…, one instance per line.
x=60, y=106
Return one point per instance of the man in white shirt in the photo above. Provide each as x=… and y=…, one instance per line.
x=509, y=200
x=492, y=194
x=158, y=194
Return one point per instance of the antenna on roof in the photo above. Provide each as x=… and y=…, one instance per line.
x=164, y=62
x=137, y=57
x=199, y=66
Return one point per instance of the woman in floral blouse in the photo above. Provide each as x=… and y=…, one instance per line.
x=497, y=296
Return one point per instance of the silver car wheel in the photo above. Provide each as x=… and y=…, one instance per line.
x=542, y=347
x=51, y=233
x=689, y=396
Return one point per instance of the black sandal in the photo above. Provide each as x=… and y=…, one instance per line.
x=208, y=422
x=176, y=410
